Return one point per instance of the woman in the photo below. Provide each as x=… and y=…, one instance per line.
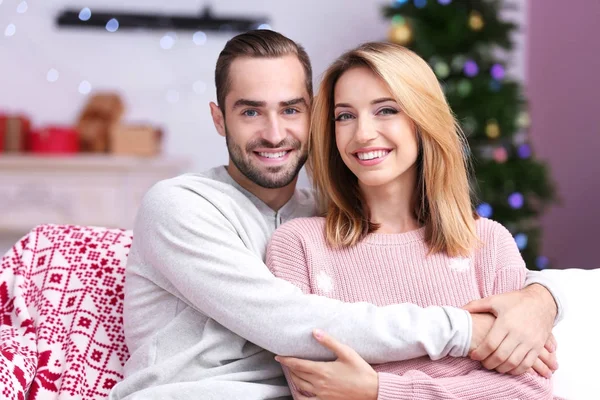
x=388, y=162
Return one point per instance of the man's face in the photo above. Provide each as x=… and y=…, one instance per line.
x=267, y=119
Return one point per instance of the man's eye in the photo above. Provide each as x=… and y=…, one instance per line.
x=290, y=111
x=250, y=113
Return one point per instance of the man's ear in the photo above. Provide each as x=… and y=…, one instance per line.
x=218, y=118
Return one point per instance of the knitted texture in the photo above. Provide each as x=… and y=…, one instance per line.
x=388, y=269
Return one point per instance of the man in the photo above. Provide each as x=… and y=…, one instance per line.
x=203, y=314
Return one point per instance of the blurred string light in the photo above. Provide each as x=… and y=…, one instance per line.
x=199, y=38
x=495, y=86
x=444, y=2
x=85, y=14
x=542, y=262
x=52, y=75
x=516, y=200
x=420, y=3
x=112, y=25
x=442, y=70
x=168, y=40
x=497, y=72
x=400, y=2
x=524, y=151
x=521, y=240
x=485, y=210
x=464, y=87
x=264, y=26
x=471, y=69
x=22, y=7
x=492, y=129
x=85, y=87
x=476, y=20
x=500, y=155
x=199, y=87
x=172, y=96
x=10, y=30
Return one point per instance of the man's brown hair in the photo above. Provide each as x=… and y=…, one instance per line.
x=262, y=43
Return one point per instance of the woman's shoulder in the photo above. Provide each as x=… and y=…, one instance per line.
x=488, y=229
x=302, y=228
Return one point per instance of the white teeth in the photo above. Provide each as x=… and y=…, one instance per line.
x=370, y=155
x=279, y=154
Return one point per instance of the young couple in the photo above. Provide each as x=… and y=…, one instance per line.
x=399, y=291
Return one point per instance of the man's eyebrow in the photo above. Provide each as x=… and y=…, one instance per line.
x=298, y=100
x=248, y=103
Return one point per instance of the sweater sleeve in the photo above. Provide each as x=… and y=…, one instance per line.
x=476, y=385
x=509, y=265
x=200, y=258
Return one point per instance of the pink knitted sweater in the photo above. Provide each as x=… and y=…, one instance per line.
x=394, y=268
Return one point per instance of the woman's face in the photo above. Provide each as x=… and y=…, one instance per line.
x=376, y=140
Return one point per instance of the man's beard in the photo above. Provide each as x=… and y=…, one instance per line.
x=274, y=177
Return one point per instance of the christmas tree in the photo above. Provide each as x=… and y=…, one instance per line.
x=468, y=45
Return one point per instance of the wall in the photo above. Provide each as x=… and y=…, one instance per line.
x=563, y=79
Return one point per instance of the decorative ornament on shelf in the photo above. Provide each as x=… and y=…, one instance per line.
x=500, y=155
x=476, y=21
x=492, y=130
x=400, y=34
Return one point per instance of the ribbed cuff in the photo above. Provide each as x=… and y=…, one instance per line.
x=392, y=387
x=462, y=325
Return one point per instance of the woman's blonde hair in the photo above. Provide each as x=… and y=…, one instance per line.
x=442, y=196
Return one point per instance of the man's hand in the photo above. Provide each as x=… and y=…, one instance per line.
x=520, y=338
x=347, y=378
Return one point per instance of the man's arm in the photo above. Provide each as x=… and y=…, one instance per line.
x=202, y=260
x=542, y=286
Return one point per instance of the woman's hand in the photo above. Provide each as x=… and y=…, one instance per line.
x=347, y=378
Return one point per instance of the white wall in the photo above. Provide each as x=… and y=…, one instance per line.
x=135, y=64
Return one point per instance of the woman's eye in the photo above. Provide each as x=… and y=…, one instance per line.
x=388, y=111
x=343, y=117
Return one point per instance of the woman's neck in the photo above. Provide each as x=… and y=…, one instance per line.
x=392, y=205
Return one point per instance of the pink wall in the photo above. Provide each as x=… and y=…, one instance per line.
x=563, y=79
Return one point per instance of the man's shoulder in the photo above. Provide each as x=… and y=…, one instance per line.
x=195, y=193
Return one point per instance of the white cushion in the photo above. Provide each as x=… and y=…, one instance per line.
x=578, y=334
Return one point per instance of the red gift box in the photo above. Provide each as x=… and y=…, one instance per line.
x=54, y=140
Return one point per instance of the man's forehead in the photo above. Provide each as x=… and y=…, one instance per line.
x=267, y=80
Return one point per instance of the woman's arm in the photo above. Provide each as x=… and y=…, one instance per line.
x=476, y=385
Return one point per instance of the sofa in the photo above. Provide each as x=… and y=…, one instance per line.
x=61, y=323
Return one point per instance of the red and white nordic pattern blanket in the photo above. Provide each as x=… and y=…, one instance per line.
x=61, y=313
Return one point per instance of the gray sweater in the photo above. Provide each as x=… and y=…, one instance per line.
x=203, y=314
